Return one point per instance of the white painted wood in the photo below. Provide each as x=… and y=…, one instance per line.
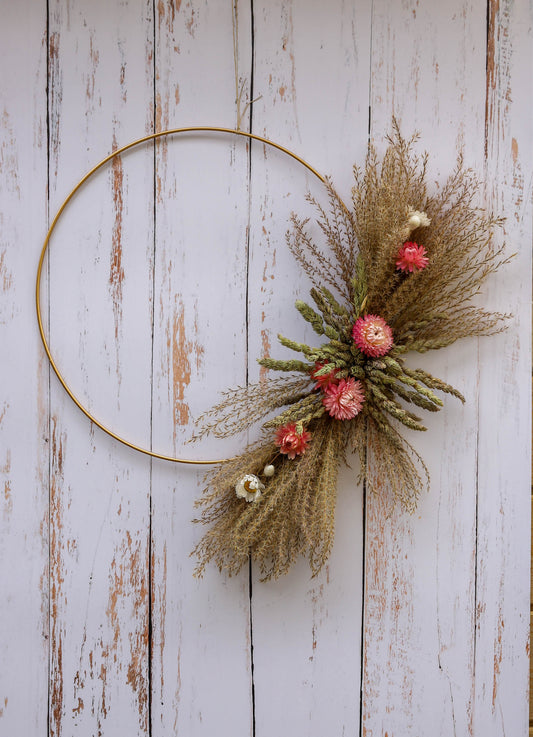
x=502, y=622
x=311, y=66
x=137, y=646
x=428, y=65
x=101, y=95
x=24, y=376
x=201, y=678
x=431, y=650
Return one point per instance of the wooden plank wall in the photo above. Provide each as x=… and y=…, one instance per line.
x=167, y=277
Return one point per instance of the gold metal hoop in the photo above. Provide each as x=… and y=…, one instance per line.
x=138, y=142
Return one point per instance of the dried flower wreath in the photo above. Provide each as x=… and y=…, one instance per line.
x=401, y=271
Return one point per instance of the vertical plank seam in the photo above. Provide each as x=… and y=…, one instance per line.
x=250, y=145
x=250, y=591
x=489, y=41
x=49, y=660
x=364, y=507
x=251, y=106
x=363, y=582
x=150, y=653
x=476, y=554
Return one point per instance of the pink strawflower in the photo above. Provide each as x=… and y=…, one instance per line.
x=324, y=380
x=411, y=257
x=372, y=335
x=291, y=442
x=344, y=400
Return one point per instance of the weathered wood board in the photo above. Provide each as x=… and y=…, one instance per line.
x=167, y=277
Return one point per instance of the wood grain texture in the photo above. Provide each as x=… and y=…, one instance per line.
x=428, y=68
x=101, y=92
x=502, y=626
x=201, y=646
x=168, y=276
x=24, y=634
x=306, y=633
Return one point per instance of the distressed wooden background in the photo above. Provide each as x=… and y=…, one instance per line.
x=167, y=277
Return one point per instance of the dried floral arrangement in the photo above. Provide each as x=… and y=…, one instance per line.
x=399, y=274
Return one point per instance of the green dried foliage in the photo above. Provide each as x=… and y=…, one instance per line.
x=316, y=321
x=302, y=411
x=279, y=365
x=354, y=274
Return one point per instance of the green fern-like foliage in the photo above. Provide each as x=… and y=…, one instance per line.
x=389, y=384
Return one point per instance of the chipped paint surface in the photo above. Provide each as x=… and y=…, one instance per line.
x=57, y=577
x=181, y=368
x=55, y=81
x=116, y=270
x=6, y=277
x=182, y=350
x=159, y=612
x=104, y=594
x=99, y=540
x=128, y=590
x=499, y=644
x=24, y=462
x=7, y=501
x=265, y=351
x=389, y=626
x=8, y=155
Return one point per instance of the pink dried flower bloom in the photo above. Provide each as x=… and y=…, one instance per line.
x=324, y=380
x=291, y=441
x=372, y=335
x=344, y=400
x=411, y=257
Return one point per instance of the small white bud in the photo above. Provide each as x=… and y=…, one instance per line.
x=269, y=470
x=417, y=219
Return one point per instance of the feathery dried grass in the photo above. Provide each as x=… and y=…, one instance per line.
x=339, y=230
x=458, y=241
x=244, y=406
x=294, y=517
x=354, y=274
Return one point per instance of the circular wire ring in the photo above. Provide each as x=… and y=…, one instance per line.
x=151, y=137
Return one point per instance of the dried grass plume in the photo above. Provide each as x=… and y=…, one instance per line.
x=413, y=260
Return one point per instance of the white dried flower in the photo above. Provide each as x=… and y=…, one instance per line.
x=417, y=219
x=249, y=488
